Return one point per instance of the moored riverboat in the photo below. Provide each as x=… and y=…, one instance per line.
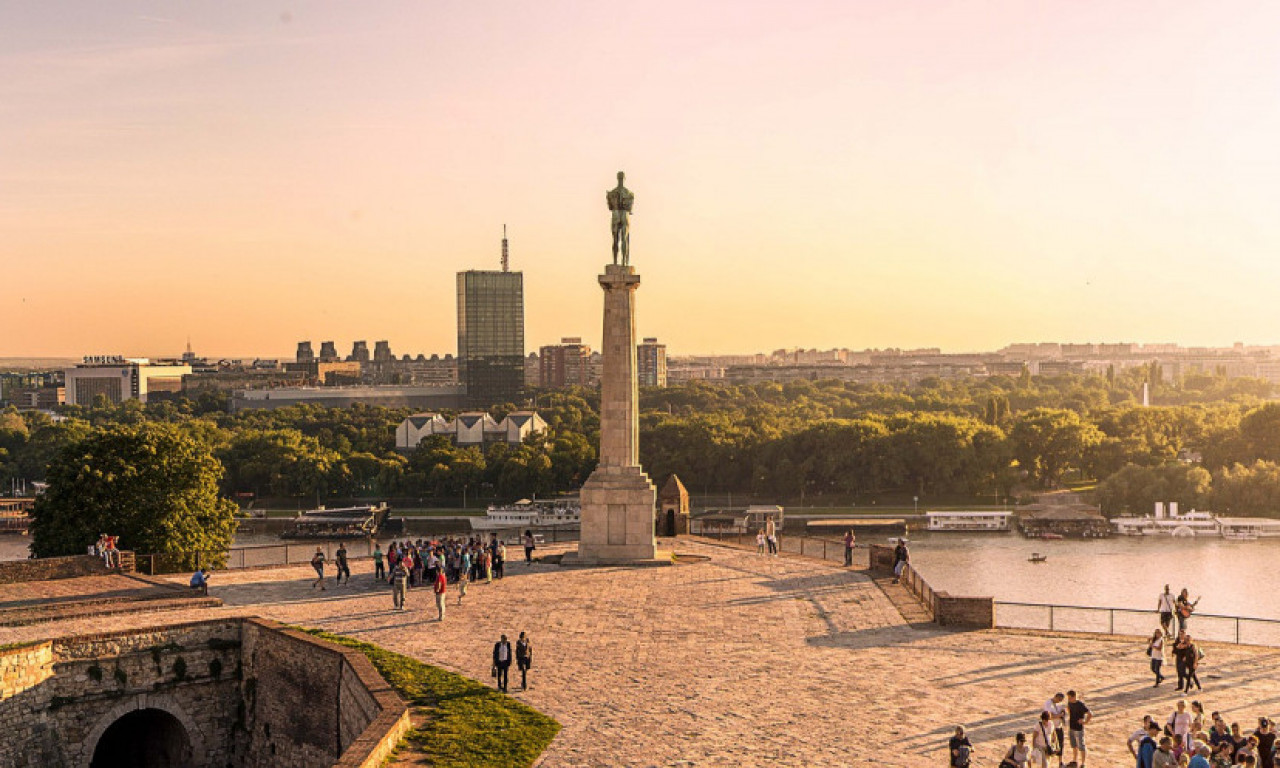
x=531, y=514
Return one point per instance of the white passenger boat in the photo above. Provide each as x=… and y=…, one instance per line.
x=967, y=522
x=1168, y=522
x=1249, y=528
x=533, y=515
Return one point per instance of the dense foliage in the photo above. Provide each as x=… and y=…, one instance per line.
x=153, y=485
x=961, y=440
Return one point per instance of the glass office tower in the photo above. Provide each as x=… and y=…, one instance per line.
x=491, y=336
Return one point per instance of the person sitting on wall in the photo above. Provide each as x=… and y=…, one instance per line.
x=200, y=581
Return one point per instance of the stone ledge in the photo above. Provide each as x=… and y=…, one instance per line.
x=572, y=560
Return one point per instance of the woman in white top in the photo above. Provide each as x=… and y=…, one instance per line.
x=1155, y=649
x=1042, y=742
x=1180, y=721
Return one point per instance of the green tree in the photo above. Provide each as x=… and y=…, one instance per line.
x=1048, y=441
x=150, y=484
x=1248, y=491
x=1135, y=489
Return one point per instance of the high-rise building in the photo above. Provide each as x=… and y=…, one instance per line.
x=305, y=354
x=359, y=352
x=491, y=335
x=382, y=352
x=565, y=364
x=651, y=363
x=328, y=352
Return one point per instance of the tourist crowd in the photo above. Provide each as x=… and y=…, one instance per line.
x=1184, y=739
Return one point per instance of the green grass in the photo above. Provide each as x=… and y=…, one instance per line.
x=464, y=723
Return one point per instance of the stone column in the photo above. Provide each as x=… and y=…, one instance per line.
x=618, y=499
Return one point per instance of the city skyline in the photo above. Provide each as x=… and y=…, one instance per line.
x=832, y=174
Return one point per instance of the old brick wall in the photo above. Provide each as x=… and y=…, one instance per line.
x=292, y=698
x=96, y=679
x=969, y=612
x=247, y=692
x=40, y=569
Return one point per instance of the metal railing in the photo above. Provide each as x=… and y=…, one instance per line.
x=831, y=550
x=1241, y=630
x=916, y=585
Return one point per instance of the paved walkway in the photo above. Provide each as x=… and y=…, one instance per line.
x=744, y=660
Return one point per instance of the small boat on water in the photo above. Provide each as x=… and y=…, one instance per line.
x=1052, y=536
x=1036, y=557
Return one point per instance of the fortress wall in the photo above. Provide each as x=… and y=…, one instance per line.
x=44, y=568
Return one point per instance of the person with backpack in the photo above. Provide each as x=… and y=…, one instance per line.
x=1018, y=755
x=1146, y=752
x=317, y=562
x=960, y=749
x=1155, y=650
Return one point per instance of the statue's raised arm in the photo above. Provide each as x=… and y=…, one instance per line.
x=621, y=201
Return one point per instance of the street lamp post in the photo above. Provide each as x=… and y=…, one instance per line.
x=915, y=501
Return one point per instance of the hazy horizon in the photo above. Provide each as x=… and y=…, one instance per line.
x=843, y=174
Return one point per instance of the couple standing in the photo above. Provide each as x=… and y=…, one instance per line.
x=502, y=657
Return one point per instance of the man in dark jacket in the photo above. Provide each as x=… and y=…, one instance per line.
x=524, y=659
x=501, y=662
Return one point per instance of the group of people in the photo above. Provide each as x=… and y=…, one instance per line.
x=767, y=538
x=1187, y=740
x=108, y=548
x=1163, y=643
x=1061, y=725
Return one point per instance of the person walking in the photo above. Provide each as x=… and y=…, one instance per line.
x=1043, y=741
x=1166, y=605
x=529, y=546
x=1078, y=716
x=441, y=589
x=399, y=585
x=901, y=557
x=1186, y=656
x=771, y=535
x=464, y=578
x=501, y=662
x=524, y=659
x=317, y=562
x=960, y=749
x=1155, y=650
x=340, y=560
x=379, y=572
x=849, y=538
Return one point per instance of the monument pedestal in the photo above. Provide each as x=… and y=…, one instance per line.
x=619, y=503
x=618, y=499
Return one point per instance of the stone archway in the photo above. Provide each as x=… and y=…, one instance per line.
x=161, y=712
x=671, y=522
x=144, y=738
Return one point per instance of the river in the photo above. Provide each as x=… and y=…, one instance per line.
x=1120, y=572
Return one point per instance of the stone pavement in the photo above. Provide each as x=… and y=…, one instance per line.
x=744, y=660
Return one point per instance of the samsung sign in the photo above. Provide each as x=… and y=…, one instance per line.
x=104, y=360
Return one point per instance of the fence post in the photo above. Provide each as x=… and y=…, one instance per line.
x=1051, y=618
x=1111, y=621
x=802, y=545
x=1237, y=630
x=824, y=549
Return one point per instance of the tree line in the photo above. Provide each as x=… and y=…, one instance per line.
x=968, y=440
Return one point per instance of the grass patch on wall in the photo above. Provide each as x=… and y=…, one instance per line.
x=462, y=723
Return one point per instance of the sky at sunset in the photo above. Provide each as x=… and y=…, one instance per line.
x=856, y=174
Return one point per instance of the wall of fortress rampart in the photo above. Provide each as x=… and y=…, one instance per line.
x=247, y=692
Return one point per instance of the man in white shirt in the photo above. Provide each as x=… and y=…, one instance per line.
x=1166, y=606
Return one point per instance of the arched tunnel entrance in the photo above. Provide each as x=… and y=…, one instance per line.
x=144, y=738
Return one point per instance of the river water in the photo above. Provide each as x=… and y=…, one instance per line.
x=1233, y=578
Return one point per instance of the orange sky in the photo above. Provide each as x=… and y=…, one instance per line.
x=850, y=174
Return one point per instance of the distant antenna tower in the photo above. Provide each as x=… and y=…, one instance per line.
x=506, y=254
